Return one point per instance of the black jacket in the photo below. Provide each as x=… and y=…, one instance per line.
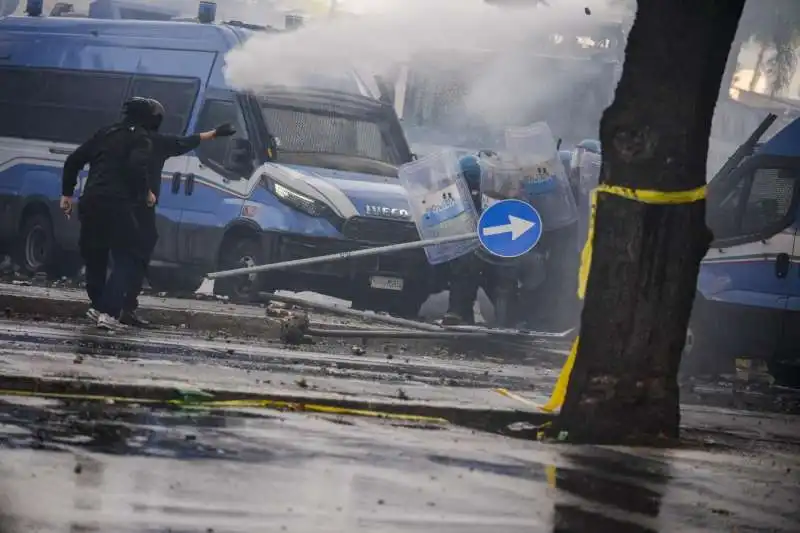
x=118, y=157
x=164, y=147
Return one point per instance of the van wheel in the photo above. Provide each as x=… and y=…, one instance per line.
x=172, y=280
x=702, y=355
x=239, y=252
x=36, y=250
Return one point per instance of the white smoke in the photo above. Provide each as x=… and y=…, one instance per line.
x=394, y=31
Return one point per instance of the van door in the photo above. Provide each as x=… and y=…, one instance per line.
x=178, y=95
x=787, y=351
x=748, y=272
x=213, y=196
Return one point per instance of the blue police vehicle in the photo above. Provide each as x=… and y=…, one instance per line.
x=748, y=294
x=310, y=172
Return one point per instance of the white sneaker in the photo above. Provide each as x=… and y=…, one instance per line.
x=109, y=323
x=93, y=314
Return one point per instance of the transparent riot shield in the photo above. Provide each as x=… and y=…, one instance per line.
x=588, y=180
x=544, y=179
x=440, y=203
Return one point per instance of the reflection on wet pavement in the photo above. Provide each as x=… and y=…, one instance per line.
x=101, y=466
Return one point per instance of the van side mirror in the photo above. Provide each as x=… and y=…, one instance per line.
x=239, y=158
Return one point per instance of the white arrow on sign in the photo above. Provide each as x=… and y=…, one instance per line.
x=516, y=227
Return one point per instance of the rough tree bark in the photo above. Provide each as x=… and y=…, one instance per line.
x=623, y=387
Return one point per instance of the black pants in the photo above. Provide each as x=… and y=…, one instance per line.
x=146, y=218
x=465, y=280
x=108, y=228
x=469, y=273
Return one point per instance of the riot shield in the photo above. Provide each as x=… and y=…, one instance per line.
x=589, y=173
x=530, y=170
x=588, y=180
x=440, y=203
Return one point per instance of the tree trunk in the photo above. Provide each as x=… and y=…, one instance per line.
x=623, y=387
x=731, y=66
x=757, y=69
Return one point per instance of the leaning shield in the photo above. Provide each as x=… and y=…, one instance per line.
x=589, y=179
x=545, y=184
x=589, y=175
x=440, y=203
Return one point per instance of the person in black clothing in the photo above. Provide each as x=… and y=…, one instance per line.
x=119, y=160
x=164, y=147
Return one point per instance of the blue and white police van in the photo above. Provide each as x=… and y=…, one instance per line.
x=310, y=172
x=748, y=297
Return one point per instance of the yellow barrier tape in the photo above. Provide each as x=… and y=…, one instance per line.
x=508, y=394
x=327, y=409
x=222, y=404
x=550, y=473
x=638, y=195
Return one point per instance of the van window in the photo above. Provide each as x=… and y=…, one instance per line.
x=177, y=95
x=58, y=105
x=770, y=199
x=755, y=205
x=214, y=113
x=724, y=208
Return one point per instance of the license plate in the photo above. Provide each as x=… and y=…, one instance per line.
x=386, y=283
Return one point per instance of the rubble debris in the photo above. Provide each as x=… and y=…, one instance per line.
x=357, y=350
x=295, y=329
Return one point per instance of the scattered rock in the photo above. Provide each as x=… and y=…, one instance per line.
x=357, y=350
x=294, y=329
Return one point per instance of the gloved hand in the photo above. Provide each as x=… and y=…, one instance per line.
x=224, y=130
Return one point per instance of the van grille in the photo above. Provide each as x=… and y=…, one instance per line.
x=379, y=231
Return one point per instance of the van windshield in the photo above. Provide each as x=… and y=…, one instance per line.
x=327, y=135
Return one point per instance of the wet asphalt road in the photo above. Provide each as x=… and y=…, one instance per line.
x=67, y=466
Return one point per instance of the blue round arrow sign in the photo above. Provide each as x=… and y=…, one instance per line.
x=510, y=228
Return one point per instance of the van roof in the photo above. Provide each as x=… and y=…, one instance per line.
x=161, y=34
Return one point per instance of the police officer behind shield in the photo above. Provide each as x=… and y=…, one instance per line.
x=164, y=147
x=119, y=160
x=469, y=272
x=466, y=272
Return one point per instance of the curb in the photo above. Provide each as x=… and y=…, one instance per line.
x=38, y=303
x=203, y=320
x=481, y=419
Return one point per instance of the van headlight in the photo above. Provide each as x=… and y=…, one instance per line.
x=301, y=202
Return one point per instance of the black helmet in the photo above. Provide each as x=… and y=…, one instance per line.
x=145, y=112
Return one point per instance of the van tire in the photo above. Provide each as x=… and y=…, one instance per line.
x=702, y=354
x=35, y=249
x=239, y=251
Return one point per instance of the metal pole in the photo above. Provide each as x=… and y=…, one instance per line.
x=395, y=334
x=341, y=256
x=346, y=311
